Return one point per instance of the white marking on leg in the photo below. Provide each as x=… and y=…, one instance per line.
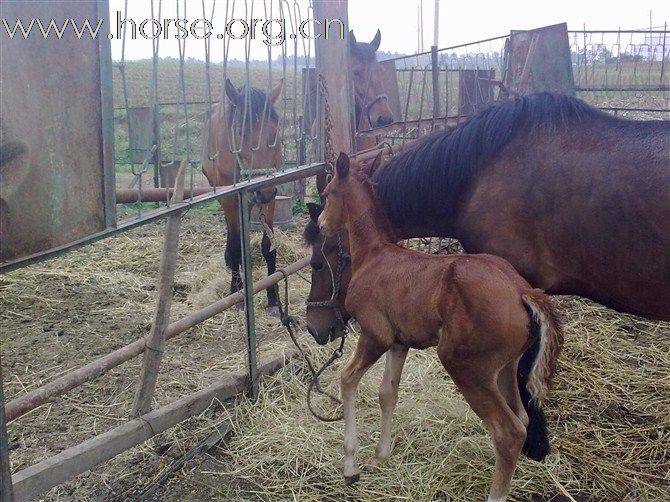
x=388, y=398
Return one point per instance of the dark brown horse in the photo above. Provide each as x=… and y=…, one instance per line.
x=476, y=309
x=244, y=138
x=578, y=201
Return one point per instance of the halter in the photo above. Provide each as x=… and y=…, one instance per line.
x=342, y=259
x=372, y=103
x=367, y=107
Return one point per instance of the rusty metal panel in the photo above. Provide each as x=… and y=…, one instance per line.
x=55, y=97
x=475, y=90
x=539, y=60
x=141, y=120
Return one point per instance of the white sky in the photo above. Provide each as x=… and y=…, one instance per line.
x=461, y=21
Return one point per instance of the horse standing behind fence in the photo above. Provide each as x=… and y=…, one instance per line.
x=478, y=311
x=244, y=139
x=371, y=103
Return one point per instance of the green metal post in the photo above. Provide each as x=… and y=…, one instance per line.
x=245, y=225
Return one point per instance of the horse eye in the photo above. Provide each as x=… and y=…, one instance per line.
x=318, y=267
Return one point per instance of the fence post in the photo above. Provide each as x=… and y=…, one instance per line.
x=436, y=79
x=250, y=319
x=153, y=353
x=6, y=494
x=332, y=57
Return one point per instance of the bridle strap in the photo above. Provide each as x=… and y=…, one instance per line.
x=342, y=259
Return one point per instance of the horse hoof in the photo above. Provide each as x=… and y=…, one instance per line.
x=239, y=307
x=377, y=461
x=273, y=311
x=350, y=480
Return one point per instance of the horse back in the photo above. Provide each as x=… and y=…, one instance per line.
x=584, y=211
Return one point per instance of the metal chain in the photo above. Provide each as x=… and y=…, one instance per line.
x=329, y=154
x=288, y=320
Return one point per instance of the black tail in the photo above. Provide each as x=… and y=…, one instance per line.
x=536, y=446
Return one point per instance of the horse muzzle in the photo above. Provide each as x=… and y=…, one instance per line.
x=323, y=336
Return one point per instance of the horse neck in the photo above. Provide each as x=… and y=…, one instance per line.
x=368, y=227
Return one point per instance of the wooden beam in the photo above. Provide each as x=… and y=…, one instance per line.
x=332, y=63
x=37, y=397
x=40, y=477
x=153, y=352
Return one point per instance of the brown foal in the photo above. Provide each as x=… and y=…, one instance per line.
x=478, y=311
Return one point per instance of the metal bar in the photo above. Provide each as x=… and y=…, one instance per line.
x=500, y=37
x=249, y=312
x=255, y=184
x=436, y=74
x=132, y=195
x=40, y=477
x=6, y=493
x=37, y=397
x=597, y=32
x=623, y=88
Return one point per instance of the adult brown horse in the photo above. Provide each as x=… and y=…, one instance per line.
x=476, y=309
x=577, y=200
x=244, y=138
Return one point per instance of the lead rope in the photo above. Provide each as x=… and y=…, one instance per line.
x=288, y=320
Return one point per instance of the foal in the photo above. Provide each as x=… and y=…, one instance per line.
x=478, y=311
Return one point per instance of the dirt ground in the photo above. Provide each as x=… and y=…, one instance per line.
x=610, y=398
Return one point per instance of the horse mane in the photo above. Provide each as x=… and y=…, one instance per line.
x=378, y=212
x=257, y=100
x=428, y=178
x=311, y=233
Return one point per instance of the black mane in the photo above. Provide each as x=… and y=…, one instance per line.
x=254, y=111
x=426, y=180
x=311, y=233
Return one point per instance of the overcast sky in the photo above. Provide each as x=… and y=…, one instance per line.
x=461, y=21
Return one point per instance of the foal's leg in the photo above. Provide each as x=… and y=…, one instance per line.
x=367, y=352
x=509, y=388
x=388, y=397
x=478, y=382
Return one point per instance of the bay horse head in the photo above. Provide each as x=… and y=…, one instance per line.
x=326, y=315
x=254, y=124
x=368, y=78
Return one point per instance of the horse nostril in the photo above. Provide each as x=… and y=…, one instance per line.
x=384, y=120
x=316, y=336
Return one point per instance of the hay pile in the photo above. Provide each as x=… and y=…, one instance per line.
x=609, y=419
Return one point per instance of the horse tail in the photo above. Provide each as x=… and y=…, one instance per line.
x=536, y=368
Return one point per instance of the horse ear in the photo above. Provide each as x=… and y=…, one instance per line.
x=342, y=165
x=315, y=211
x=376, y=41
x=232, y=93
x=276, y=91
x=370, y=168
x=352, y=39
